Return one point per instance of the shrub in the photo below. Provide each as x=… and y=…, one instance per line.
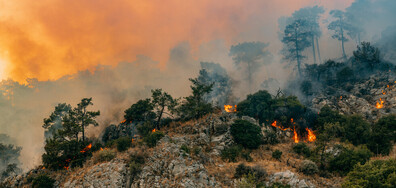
x=123, y=143
x=145, y=129
x=270, y=137
x=43, y=181
x=357, y=130
x=348, y=158
x=104, y=155
x=185, y=148
x=257, y=171
x=220, y=129
x=246, y=134
x=257, y=105
x=136, y=163
x=279, y=185
x=383, y=133
x=231, y=153
x=302, y=149
x=308, y=167
x=277, y=154
x=377, y=173
x=152, y=139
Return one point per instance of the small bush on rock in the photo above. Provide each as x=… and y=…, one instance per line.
x=43, y=181
x=302, y=149
x=246, y=134
x=123, y=144
x=136, y=163
x=104, y=155
x=259, y=173
x=152, y=139
x=277, y=154
x=231, y=153
x=308, y=167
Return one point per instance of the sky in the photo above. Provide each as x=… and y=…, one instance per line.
x=49, y=39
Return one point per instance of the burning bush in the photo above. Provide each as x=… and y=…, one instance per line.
x=152, y=139
x=246, y=134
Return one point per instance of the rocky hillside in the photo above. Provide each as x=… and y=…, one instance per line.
x=189, y=155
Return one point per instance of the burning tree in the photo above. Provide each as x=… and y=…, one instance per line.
x=252, y=54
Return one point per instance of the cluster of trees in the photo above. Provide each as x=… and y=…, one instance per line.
x=302, y=30
x=65, y=131
x=8, y=157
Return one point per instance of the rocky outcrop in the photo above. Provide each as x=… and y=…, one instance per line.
x=289, y=178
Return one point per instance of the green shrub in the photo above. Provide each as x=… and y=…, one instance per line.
x=277, y=154
x=246, y=155
x=145, y=129
x=377, y=173
x=308, y=167
x=383, y=133
x=302, y=149
x=279, y=185
x=104, y=155
x=231, y=153
x=357, y=130
x=258, y=172
x=123, y=144
x=152, y=139
x=185, y=148
x=43, y=181
x=246, y=134
x=270, y=137
x=348, y=158
x=136, y=163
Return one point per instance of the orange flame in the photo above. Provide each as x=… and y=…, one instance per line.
x=383, y=92
x=101, y=149
x=280, y=127
x=380, y=104
x=86, y=148
x=229, y=108
x=311, y=135
x=153, y=131
x=340, y=97
x=295, y=137
x=123, y=121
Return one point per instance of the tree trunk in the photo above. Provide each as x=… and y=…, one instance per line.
x=317, y=48
x=342, y=41
x=313, y=48
x=159, y=118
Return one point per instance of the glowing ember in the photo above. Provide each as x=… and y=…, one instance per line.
x=311, y=135
x=229, y=108
x=383, y=92
x=101, y=149
x=153, y=131
x=295, y=137
x=380, y=104
x=340, y=97
x=86, y=148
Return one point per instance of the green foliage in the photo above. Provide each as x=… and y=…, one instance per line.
x=152, y=139
x=344, y=75
x=258, y=172
x=196, y=150
x=357, y=130
x=194, y=106
x=136, y=163
x=231, y=153
x=246, y=134
x=8, y=159
x=383, y=133
x=54, y=122
x=367, y=55
x=270, y=137
x=277, y=154
x=162, y=101
x=308, y=167
x=302, y=149
x=43, y=181
x=279, y=185
x=377, y=173
x=11, y=169
x=348, y=158
x=145, y=129
x=141, y=111
x=123, y=143
x=327, y=115
x=84, y=117
x=257, y=105
x=105, y=155
x=185, y=148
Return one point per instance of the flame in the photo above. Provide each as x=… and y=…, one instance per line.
x=387, y=86
x=280, y=127
x=311, y=135
x=295, y=137
x=101, y=149
x=132, y=140
x=153, y=131
x=86, y=148
x=340, y=97
x=230, y=108
x=383, y=92
x=123, y=121
x=380, y=104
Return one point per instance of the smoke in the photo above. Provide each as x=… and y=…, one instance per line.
x=116, y=53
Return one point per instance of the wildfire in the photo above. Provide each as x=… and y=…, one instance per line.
x=340, y=97
x=380, y=104
x=101, y=149
x=295, y=137
x=153, y=131
x=383, y=92
x=86, y=148
x=311, y=135
x=123, y=121
x=230, y=108
x=279, y=126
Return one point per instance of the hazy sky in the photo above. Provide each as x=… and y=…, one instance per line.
x=48, y=39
